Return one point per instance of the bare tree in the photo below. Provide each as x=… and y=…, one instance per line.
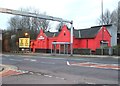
x=109, y=18
x=28, y=24
x=59, y=26
x=114, y=17
x=18, y=25
x=106, y=18
x=14, y=24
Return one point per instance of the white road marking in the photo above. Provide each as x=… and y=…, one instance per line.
x=89, y=83
x=33, y=60
x=26, y=71
x=47, y=75
x=101, y=64
x=11, y=59
x=53, y=58
x=39, y=74
x=21, y=71
x=115, y=64
x=26, y=59
x=31, y=72
x=68, y=63
x=6, y=55
x=47, y=62
x=60, y=78
x=57, y=77
x=26, y=56
x=15, y=60
x=18, y=70
x=94, y=65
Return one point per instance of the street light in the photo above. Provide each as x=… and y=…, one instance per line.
x=71, y=38
x=28, y=36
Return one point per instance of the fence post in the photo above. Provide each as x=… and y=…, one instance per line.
x=110, y=51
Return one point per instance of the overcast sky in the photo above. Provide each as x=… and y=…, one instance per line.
x=84, y=13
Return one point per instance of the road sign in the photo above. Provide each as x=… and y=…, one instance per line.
x=24, y=42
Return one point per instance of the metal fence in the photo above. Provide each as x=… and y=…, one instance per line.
x=108, y=51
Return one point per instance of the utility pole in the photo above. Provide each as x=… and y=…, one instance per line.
x=102, y=10
x=102, y=27
x=118, y=17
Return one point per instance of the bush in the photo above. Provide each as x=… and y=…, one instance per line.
x=117, y=46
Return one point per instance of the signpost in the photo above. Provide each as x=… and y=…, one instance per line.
x=24, y=42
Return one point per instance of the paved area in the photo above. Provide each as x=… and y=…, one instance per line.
x=34, y=69
x=96, y=65
x=1, y=68
x=7, y=70
x=84, y=64
x=19, y=77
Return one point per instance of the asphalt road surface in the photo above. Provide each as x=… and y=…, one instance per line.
x=57, y=70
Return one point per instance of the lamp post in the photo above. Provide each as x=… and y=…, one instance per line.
x=28, y=35
x=71, y=38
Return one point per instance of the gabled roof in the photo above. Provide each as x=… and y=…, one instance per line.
x=108, y=25
x=90, y=33
x=76, y=33
x=81, y=33
x=54, y=34
x=86, y=33
x=51, y=34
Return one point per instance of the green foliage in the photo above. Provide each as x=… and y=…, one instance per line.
x=118, y=46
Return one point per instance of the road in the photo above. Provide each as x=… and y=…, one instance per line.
x=58, y=70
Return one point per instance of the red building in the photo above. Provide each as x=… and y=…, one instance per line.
x=84, y=38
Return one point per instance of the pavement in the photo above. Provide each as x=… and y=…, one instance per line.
x=6, y=70
x=7, y=67
x=65, y=55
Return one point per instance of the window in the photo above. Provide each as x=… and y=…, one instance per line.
x=64, y=34
x=103, y=44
